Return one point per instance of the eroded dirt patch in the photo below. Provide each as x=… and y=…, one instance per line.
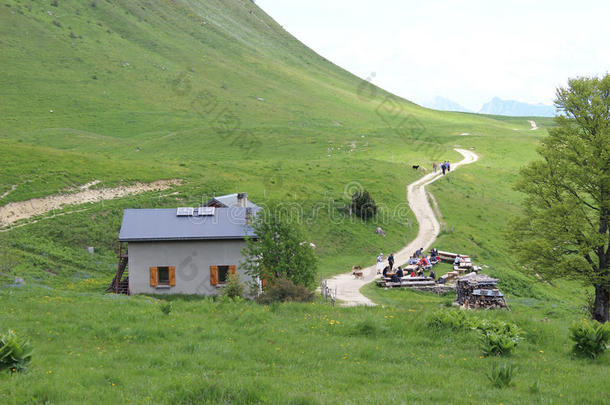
x=15, y=211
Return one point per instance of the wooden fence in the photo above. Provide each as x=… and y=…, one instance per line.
x=328, y=293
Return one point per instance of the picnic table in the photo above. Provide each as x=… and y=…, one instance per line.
x=407, y=281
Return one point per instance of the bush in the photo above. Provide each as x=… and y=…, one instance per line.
x=363, y=205
x=498, y=338
x=590, y=338
x=166, y=308
x=285, y=290
x=234, y=288
x=15, y=353
x=452, y=320
x=280, y=251
x=501, y=375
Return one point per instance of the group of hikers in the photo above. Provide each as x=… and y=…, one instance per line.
x=422, y=261
x=445, y=166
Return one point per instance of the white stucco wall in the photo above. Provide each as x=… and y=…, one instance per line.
x=192, y=260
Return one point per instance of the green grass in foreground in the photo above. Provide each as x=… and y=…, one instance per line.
x=103, y=349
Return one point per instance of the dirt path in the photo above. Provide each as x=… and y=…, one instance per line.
x=348, y=288
x=533, y=124
x=15, y=211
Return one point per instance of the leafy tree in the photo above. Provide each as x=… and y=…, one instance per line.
x=363, y=204
x=279, y=251
x=565, y=229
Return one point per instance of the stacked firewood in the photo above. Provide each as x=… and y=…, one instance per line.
x=479, y=291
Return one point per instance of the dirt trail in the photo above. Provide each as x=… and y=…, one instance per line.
x=348, y=288
x=15, y=211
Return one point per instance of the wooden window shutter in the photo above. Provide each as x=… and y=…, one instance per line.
x=172, y=276
x=232, y=269
x=214, y=275
x=154, y=278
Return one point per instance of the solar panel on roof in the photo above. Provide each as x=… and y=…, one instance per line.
x=206, y=211
x=184, y=211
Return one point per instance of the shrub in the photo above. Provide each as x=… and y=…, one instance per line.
x=285, y=290
x=234, y=287
x=497, y=338
x=15, y=352
x=363, y=205
x=453, y=320
x=166, y=308
x=280, y=251
x=501, y=375
x=496, y=344
x=590, y=338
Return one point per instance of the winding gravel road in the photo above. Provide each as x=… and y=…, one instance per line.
x=348, y=288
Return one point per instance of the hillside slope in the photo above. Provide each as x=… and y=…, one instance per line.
x=217, y=94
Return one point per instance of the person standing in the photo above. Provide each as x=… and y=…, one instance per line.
x=391, y=261
x=443, y=168
x=434, y=166
x=448, y=166
x=379, y=263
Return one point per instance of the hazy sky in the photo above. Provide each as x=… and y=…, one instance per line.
x=468, y=51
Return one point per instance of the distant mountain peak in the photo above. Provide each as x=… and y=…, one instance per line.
x=513, y=108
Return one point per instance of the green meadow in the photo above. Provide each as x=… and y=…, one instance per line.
x=217, y=94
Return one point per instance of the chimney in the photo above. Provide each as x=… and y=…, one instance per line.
x=248, y=216
x=242, y=200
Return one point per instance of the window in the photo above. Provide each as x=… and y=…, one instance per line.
x=162, y=276
x=223, y=274
x=220, y=274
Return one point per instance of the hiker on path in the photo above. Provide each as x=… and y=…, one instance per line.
x=379, y=263
x=434, y=166
x=391, y=261
x=443, y=167
x=448, y=166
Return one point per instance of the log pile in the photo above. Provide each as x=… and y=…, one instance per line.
x=479, y=291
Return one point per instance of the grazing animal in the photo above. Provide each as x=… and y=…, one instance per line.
x=357, y=272
x=415, y=167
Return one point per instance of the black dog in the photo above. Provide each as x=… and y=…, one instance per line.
x=415, y=167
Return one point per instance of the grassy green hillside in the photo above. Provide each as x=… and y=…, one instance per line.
x=217, y=94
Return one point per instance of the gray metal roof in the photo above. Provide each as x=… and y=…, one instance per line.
x=230, y=200
x=164, y=224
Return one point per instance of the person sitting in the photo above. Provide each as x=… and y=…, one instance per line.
x=420, y=272
x=423, y=262
x=412, y=260
x=395, y=278
x=433, y=260
x=399, y=273
x=385, y=271
x=457, y=260
x=413, y=273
